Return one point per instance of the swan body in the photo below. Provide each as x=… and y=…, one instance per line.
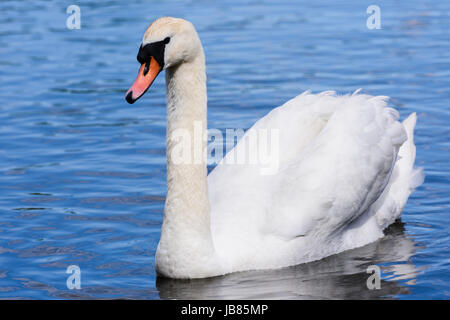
x=345, y=169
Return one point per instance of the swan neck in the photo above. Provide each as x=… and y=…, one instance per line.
x=186, y=243
x=186, y=139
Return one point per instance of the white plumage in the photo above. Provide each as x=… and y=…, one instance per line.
x=344, y=173
x=342, y=179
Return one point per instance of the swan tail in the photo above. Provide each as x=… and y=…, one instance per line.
x=407, y=155
x=404, y=179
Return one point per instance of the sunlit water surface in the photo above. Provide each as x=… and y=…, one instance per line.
x=82, y=173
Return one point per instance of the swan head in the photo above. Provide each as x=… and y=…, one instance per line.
x=167, y=43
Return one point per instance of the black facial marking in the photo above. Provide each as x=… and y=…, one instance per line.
x=155, y=50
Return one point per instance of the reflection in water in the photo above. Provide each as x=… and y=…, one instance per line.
x=341, y=276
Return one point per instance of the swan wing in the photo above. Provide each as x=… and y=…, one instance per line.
x=333, y=159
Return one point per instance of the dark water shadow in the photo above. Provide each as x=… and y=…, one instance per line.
x=342, y=276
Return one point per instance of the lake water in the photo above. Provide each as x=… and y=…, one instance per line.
x=82, y=173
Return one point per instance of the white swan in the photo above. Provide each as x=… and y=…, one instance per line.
x=345, y=172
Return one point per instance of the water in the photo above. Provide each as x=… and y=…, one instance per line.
x=82, y=176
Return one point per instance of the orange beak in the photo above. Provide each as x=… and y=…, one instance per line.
x=146, y=76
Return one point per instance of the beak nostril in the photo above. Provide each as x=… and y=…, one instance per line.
x=147, y=65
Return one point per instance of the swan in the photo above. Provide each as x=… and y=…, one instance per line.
x=345, y=171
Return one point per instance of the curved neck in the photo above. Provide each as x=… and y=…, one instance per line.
x=186, y=232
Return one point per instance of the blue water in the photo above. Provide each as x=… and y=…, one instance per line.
x=82, y=173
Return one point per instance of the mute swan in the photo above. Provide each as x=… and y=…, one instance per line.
x=345, y=172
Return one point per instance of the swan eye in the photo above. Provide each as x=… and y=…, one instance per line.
x=166, y=40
